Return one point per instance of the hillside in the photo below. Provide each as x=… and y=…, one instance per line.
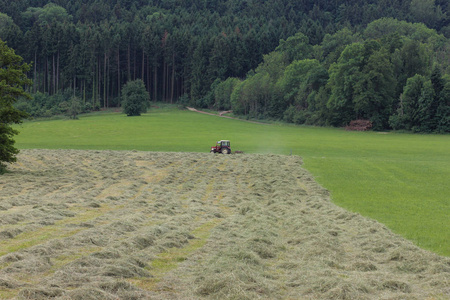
x=279, y=59
x=139, y=225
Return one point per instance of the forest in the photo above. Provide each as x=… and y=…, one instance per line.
x=306, y=62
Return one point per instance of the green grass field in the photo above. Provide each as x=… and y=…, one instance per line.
x=401, y=180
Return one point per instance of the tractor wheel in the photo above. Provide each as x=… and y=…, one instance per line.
x=225, y=151
x=212, y=151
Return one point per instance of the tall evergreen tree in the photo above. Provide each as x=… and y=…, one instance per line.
x=12, y=81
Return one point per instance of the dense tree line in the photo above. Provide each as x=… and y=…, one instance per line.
x=186, y=51
x=394, y=73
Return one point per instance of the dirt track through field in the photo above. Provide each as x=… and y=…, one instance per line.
x=222, y=115
x=143, y=225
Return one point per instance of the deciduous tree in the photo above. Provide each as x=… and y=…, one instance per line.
x=415, y=103
x=135, y=98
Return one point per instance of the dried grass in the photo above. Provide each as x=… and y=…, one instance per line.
x=40, y=293
x=138, y=225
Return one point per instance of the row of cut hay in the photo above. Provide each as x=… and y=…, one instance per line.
x=112, y=213
x=113, y=235
x=284, y=239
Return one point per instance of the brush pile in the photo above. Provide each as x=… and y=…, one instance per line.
x=359, y=125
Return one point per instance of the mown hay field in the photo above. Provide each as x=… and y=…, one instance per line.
x=400, y=180
x=83, y=224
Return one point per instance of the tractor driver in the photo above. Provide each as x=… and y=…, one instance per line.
x=218, y=145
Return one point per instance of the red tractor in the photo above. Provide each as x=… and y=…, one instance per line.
x=222, y=146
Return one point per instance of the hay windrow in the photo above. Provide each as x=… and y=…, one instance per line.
x=141, y=225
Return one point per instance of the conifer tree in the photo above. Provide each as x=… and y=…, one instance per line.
x=12, y=81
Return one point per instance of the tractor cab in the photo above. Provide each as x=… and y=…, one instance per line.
x=222, y=146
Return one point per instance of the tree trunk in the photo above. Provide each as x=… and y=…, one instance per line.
x=118, y=73
x=164, y=82
x=94, y=79
x=84, y=91
x=108, y=82
x=155, y=83
x=179, y=87
x=35, y=72
x=134, y=64
x=57, y=72
x=167, y=82
x=148, y=78
x=99, y=78
x=173, y=78
x=129, y=62
x=143, y=65
x=48, y=76
x=54, y=74
x=105, y=96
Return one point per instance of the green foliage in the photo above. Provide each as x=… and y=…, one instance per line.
x=46, y=16
x=12, y=81
x=177, y=49
x=343, y=77
x=273, y=64
x=411, y=59
x=388, y=26
x=44, y=105
x=333, y=44
x=443, y=111
x=348, y=80
x=135, y=99
x=375, y=90
x=7, y=150
x=300, y=78
x=74, y=107
x=300, y=83
x=9, y=31
x=362, y=84
x=417, y=100
x=295, y=47
x=238, y=102
x=222, y=93
x=425, y=11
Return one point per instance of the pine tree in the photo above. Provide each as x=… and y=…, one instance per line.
x=12, y=80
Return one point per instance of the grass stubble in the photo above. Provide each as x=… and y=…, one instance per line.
x=78, y=224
